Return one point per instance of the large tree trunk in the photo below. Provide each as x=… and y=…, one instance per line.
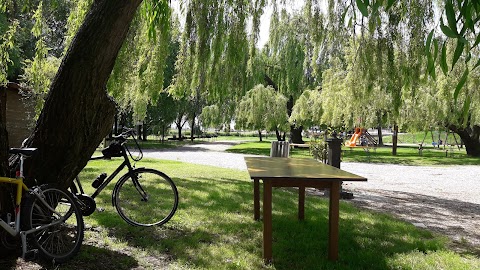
x=295, y=132
x=470, y=137
x=78, y=112
x=179, y=129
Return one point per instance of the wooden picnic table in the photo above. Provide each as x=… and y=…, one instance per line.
x=301, y=173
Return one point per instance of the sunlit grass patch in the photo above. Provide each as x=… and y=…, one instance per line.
x=214, y=229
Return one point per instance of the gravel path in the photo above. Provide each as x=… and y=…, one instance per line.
x=444, y=199
x=212, y=153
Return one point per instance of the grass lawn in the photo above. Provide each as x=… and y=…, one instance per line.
x=214, y=229
x=407, y=155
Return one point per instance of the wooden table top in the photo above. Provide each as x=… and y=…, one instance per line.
x=266, y=168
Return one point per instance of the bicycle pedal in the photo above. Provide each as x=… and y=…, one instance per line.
x=30, y=255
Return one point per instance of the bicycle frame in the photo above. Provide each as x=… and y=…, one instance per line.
x=125, y=163
x=18, y=199
x=15, y=229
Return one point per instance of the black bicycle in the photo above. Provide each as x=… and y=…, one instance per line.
x=142, y=197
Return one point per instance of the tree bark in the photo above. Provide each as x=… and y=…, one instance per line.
x=470, y=137
x=260, y=134
x=192, y=128
x=277, y=133
x=380, y=136
x=78, y=113
x=395, y=140
x=179, y=129
x=145, y=131
x=379, y=129
x=295, y=132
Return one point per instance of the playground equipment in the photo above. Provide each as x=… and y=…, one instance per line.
x=361, y=137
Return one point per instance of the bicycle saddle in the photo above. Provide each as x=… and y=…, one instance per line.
x=28, y=152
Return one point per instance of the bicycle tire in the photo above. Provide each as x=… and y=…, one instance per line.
x=59, y=242
x=157, y=208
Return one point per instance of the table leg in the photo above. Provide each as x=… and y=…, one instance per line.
x=267, y=221
x=256, y=199
x=301, y=202
x=334, y=212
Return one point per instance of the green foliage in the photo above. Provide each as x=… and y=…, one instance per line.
x=157, y=15
x=307, y=111
x=138, y=76
x=7, y=44
x=161, y=114
x=212, y=116
x=39, y=71
x=75, y=19
x=286, y=52
x=461, y=18
x=262, y=108
x=318, y=149
x=218, y=60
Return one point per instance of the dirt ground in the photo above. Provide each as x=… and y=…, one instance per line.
x=458, y=220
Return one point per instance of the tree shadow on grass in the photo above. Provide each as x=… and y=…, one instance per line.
x=214, y=227
x=90, y=257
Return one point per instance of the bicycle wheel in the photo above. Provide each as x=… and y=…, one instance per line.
x=145, y=197
x=61, y=241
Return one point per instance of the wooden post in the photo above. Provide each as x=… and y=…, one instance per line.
x=256, y=199
x=333, y=221
x=301, y=202
x=267, y=221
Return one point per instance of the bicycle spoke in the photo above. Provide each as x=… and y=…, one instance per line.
x=62, y=239
x=146, y=191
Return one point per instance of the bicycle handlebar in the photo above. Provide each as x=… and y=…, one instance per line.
x=122, y=138
x=127, y=132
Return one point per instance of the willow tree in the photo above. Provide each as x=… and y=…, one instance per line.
x=307, y=110
x=262, y=108
x=455, y=28
x=137, y=79
x=372, y=66
x=301, y=47
x=216, y=63
x=435, y=103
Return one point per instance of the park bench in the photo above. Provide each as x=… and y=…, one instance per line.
x=299, y=145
